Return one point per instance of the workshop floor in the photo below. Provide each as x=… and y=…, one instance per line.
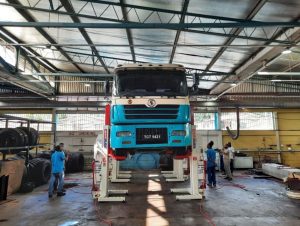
x=245, y=201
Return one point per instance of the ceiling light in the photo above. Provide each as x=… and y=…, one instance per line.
x=233, y=84
x=87, y=85
x=285, y=80
x=263, y=73
x=286, y=51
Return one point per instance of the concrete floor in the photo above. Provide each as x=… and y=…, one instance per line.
x=261, y=202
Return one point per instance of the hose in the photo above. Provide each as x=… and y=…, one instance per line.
x=230, y=133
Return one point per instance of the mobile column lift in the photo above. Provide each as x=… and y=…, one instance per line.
x=197, y=173
x=177, y=174
x=101, y=167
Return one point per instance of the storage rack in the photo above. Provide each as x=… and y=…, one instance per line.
x=25, y=122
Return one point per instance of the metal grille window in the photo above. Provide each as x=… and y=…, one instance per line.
x=205, y=121
x=41, y=127
x=79, y=122
x=248, y=120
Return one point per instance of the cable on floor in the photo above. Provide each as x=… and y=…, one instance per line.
x=206, y=215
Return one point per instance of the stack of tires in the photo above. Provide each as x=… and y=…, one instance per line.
x=17, y=137
x=74, y=163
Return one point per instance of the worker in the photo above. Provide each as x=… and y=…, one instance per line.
x=211, y=164
x=231, y=156
x=57, y=160
x=222, y=169
x=226, y=159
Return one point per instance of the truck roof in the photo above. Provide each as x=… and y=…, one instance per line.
x=148, y=66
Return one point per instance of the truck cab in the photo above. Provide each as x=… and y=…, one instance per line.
x=150, y=109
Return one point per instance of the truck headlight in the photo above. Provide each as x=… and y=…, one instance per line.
x=123, y=134
x=178, y=133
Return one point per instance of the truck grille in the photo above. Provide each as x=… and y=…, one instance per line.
x=151, y=135
x=158, y=112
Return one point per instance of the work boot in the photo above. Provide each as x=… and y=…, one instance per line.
x=50, y=196
x=61, y=193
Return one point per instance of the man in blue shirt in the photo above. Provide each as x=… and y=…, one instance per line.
x=57, y=160
x=211, y=164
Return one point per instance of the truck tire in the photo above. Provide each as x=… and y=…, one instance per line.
x=39, y=171
x=33, y=135
x=75, y=163
x=12, y=138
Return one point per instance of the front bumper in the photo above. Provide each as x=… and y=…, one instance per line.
x=130, y=141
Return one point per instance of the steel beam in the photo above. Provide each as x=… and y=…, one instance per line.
x=226, y=102
x=128, y=31
x=182, y=17
x=235, y=31
x=255, y=64
x=177, y=26
x=38, y=45
x=46, y=64
x=214, y=17
x=30, y=19
x=114, y=58
x=219, y=34
x=37, y=70
x=281, y=35
x=69, y=8
x=20, y=81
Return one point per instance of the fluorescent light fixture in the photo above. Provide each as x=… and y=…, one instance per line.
x=276, y=80
x=286, y=73
x=87, y=85
x=286, y=51
x=263, y=73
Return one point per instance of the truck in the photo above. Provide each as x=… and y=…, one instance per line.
x=150, y=109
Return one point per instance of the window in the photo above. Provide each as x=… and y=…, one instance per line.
x=248, y=120
x=41, y=127
x=79, y=122
x=205, y=121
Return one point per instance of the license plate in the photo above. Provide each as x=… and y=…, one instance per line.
x=151, y=135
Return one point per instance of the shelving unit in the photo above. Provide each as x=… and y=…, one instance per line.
x=26, y=123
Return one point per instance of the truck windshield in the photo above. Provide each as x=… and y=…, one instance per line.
x=151, y=83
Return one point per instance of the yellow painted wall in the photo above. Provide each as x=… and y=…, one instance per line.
x=289, y=133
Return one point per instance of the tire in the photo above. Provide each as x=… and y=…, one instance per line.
x=75, y=163
x=44, y=155
x=13, y=138
x=39, y=171
x=33, y=135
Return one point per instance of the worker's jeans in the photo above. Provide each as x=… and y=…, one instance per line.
x=211, y=175
x=60, y=178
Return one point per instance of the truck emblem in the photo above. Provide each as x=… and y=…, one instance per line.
x=151, y=103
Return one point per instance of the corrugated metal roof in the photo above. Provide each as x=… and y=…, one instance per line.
x=146, y=41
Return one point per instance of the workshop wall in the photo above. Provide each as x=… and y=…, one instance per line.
x=289, y=136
